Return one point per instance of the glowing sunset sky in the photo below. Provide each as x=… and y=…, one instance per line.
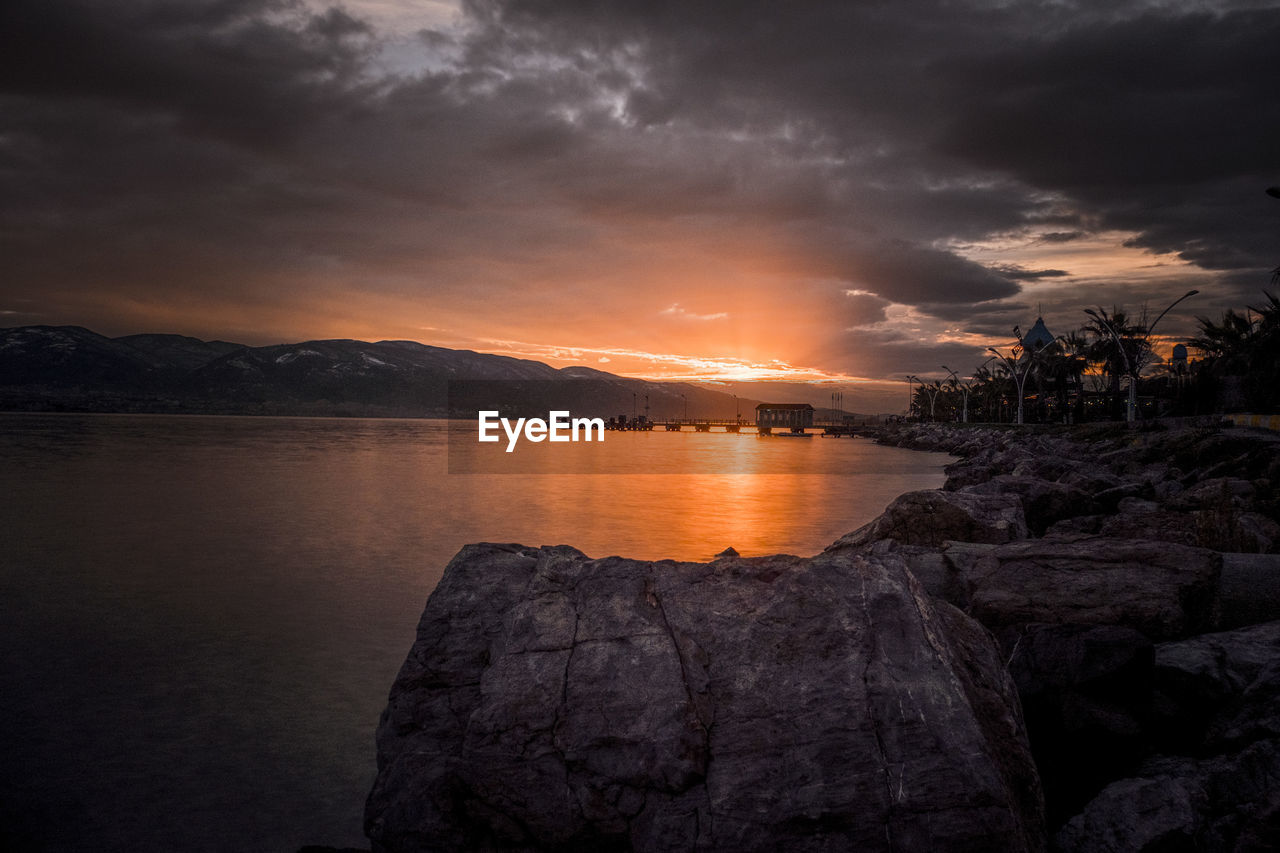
x=671, y=189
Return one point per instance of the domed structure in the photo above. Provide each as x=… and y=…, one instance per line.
x=1038, y=338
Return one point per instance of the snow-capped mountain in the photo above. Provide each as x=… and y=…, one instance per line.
x=74, y=369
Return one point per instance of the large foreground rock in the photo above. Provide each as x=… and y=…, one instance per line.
x=554, y=701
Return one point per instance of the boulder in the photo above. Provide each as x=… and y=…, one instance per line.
x=1138, y=520
x=968, y=472
x=1217, y=493
x=929, y=566
x=1249, y=592
x=1226, y=527
x=941, y=571
x=552, y=701
x=961, y=558
x=1258, y=533
x=1043, y=502
x=1163, y=590
x=1217, y=787
x=1108, y=500
x=1167, y=490
x=1074, y=527
x=1090, y=478
x=1049, y=464
x=1219, y=690
x=1139, y=815
x=1086, y=694
x=932, y=517
x=1136, y=506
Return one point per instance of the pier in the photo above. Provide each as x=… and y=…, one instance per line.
x=782, y=419
x=732, y=426
x=785, y=419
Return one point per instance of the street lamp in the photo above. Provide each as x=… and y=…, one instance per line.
x=1012, y=360
x=964, y=389
x=1134, y=367
x=933, y=397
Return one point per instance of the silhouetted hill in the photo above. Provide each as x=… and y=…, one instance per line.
x=69, y=359
x=178, y=351
x=69, y=368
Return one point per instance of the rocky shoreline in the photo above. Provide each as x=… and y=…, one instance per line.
x=1137, y=608
x=1072, y=645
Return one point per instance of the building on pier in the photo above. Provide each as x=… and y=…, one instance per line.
x=784, y=416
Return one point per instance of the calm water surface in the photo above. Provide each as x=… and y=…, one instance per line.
x=200, y=617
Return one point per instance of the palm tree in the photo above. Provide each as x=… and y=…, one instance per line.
x=927, y=396
x=1227, y=342
x=1058, y=365
x=1020, y=360
x=1120, y=346
x=1244, y=349
x=1268, y=314
x=990, y=387
x=1075, y=352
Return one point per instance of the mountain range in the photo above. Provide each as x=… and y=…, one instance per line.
x=70, y=368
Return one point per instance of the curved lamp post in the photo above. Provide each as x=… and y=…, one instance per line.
x=1016, y=355
x=933, y=397
x=964, y=389
x=1134, y=367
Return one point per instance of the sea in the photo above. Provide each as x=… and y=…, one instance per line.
x=201, y=616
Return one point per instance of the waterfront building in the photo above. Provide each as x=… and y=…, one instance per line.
x=784, y=415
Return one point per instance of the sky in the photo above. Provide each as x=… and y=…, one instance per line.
x=836, y=191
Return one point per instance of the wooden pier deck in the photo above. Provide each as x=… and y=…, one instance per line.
x=730, y=426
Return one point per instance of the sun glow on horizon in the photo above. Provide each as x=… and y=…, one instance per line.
x=668, y=367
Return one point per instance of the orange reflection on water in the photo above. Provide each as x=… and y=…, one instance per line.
x=759, y=495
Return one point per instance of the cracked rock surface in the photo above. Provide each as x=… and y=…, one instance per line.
x=553, y=701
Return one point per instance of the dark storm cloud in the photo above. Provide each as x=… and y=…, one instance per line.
x=1060, y=236
x=918, y=276
x=214, y=67
x=896, y=355
x=1147, y=118
x=249, y=149
x=164, y=120
x=1160, y=99
x=1163, y=123
x=1156, y=121
x=1018, y=273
